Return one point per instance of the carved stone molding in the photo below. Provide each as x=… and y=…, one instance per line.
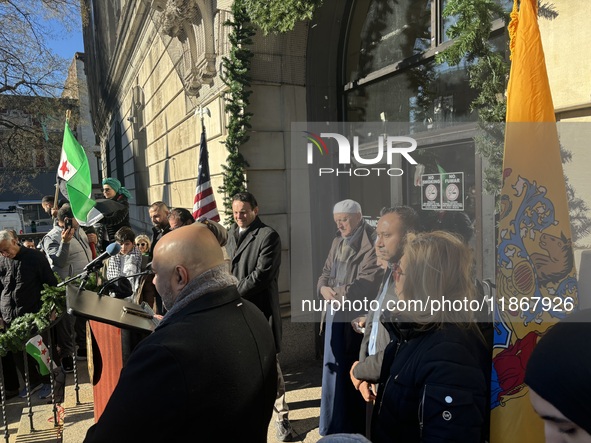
x=181, y=19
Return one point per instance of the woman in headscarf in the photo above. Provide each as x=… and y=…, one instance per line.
x=113, y=190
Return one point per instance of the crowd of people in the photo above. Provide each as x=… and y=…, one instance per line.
x=388, y=375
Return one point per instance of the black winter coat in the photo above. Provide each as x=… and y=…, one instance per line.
x=206, y=374
x=434, y=386
x=255, y=260
x=116, y=220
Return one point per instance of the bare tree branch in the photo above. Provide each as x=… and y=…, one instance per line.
x=31, y=77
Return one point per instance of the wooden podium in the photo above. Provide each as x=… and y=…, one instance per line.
x=107, y=318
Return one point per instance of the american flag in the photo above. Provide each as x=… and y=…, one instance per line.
x=204, y=206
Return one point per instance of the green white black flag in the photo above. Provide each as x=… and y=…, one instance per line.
x=74, y=180
x=37, y=349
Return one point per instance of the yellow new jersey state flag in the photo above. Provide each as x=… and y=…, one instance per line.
x=536, y=283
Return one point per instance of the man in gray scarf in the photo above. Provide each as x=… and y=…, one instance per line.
x=208, y=372
x=350, y=274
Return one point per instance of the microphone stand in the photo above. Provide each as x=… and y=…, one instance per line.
x=121, y=277
x=83, y=276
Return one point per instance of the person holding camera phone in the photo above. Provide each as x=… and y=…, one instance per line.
x=67, y=248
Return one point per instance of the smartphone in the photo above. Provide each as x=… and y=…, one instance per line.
x=67, y=223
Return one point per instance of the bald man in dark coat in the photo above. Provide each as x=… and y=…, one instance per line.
x=207, y=373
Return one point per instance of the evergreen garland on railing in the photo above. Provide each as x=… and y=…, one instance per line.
x=236, y=76
x=25, y=326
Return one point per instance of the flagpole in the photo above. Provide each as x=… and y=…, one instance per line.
x=201, y=111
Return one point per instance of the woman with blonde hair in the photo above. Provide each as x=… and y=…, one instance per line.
x=143, y=243
x=436, y=371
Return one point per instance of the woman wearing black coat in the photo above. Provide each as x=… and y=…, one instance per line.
x=436, y=370
x=113, y=190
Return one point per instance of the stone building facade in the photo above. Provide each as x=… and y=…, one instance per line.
x=152, y=63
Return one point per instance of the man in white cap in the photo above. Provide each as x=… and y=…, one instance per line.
x=350, y=273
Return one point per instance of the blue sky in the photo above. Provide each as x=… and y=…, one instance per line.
x=68, y=45
x=65, y=43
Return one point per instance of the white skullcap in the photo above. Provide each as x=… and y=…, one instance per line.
x=347, y=207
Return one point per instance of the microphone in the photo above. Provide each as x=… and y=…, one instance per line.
x=109, y=283
x=112, y=249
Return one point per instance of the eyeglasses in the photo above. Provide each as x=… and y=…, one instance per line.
x=141, y=244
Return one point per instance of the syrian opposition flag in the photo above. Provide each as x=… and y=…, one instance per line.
x=37, y=349
x=74, y=180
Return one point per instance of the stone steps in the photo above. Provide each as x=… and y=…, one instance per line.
x=43, y=425
x=78, y=417
x=74, y=419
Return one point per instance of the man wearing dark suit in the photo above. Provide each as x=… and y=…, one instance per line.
x=208, y=370
x=159, y=216
x=255, y=253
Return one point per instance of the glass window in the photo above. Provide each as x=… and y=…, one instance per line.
x=427, y=96
x=384, y=32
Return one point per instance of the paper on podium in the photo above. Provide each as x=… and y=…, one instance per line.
x=105, y=309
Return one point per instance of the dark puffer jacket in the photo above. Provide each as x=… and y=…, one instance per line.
x=434, y=386
x=116, y=220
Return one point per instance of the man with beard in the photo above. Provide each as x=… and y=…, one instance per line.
x=159, y=215
x=208, y=368
x=393, y=225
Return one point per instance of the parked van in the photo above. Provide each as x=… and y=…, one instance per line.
x=12, y=218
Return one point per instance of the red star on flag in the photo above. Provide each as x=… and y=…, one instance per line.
x=44, y=351
x=64, y=167
x=39, y=343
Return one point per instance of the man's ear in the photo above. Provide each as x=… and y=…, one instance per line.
x=181, y=276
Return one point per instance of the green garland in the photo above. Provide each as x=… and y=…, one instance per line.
x=28, y=325
x=488, y=72
x=280, y=15
x=235, y=74
x=272, y=16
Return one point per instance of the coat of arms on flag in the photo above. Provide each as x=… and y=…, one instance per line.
x=535, y=275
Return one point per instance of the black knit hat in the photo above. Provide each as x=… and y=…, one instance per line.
x=559, y=369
